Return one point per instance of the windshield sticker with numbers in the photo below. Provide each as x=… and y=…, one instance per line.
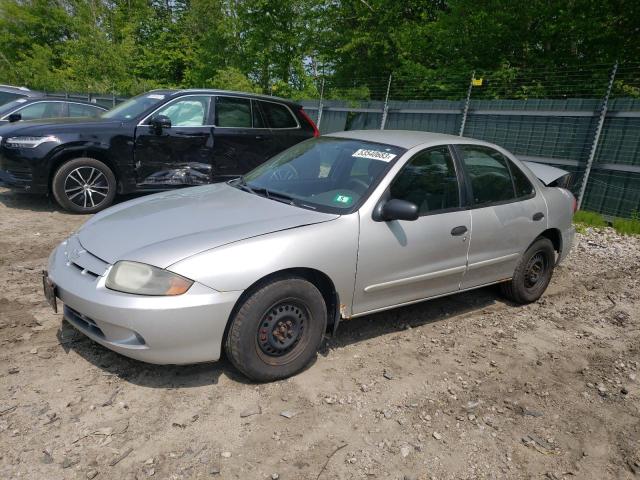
x=156, y=96
x=374, y=155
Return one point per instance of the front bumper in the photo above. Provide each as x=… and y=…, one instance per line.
x=165, y=330
x=23, y=169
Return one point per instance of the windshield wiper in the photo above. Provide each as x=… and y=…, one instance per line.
x=271, y=195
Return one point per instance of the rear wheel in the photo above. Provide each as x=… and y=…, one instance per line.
x=276, y=332
x=532, y=274
x=84, y=185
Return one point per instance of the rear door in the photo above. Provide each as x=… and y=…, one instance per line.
x=242, y=140
x=180, y=154
x=507, y=214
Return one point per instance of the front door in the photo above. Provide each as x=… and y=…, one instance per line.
x=242, y=139
x=180, y=154
x=405, y=261
x=507, y=215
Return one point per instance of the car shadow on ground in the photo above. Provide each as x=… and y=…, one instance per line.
x=42, y=203
x=27, y=201
x=349, y=332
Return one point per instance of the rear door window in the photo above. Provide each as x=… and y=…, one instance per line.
x=489, y=174
x=80, y=110
x=278, y=115
x=233, y=112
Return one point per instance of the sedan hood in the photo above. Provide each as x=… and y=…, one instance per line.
x=164, y=228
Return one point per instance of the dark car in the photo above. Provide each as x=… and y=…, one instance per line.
x=155, y=141
x=8, y=93
x=40, y=108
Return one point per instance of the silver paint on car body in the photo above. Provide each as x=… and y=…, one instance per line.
x=226, y=239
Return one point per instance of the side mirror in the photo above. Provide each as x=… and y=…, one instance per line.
x=396, y=209
x=160, y=122
x=14, y=117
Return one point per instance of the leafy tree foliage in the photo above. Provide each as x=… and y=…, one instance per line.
x=521, y=48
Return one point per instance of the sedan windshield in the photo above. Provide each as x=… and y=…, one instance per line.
x=327, y=174
x=134, y=106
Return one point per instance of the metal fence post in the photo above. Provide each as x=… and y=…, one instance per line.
x=385, y=109
x=320, y=105
x=596, y=137
x=465, y=110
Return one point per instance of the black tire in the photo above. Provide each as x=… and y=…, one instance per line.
x=277, y=330
x=532, y=274
x=84, y=185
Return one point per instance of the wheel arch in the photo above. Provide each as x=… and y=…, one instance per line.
x=555, y=236
x=317, y=278
x=66, y=155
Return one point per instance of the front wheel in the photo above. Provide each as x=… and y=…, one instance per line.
x=532, y=274
x=277, y=330
x=84, y=185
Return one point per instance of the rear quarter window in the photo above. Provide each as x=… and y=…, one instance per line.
x=278, y=115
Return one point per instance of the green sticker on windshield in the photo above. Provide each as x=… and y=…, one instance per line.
x=343, y=199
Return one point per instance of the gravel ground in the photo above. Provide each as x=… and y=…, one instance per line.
x=467, y=386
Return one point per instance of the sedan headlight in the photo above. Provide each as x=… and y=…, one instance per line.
x=142, y=279
x=29, y=142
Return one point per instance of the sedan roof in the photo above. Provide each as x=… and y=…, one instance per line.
x=403, y=138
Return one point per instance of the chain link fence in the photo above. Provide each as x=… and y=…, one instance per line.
x=584, y=120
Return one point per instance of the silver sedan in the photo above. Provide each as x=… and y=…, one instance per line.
x=333, y=228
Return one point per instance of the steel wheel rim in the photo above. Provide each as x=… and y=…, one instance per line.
x=281, y=333
x=534, y=273
x=86, y=187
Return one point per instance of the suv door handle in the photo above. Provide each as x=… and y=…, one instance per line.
x=457, y=231
x=538, y=216
x=260, y=137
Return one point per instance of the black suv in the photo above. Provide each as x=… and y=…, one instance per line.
x=155, y=141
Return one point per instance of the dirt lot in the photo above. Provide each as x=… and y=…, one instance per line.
x=463, y=387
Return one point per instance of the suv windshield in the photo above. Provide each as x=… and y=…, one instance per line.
x=134, y=106
x=327, y=174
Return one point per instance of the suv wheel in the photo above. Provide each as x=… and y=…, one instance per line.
x=84, y=185
x=277, y=331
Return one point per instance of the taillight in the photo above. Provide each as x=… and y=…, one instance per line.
x=575, y=204
x=316, y=132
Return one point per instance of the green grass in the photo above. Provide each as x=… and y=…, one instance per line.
x=624, y=226
x=589, y=219
x=630, y=226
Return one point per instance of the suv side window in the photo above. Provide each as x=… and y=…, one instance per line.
x=189, y=111
x=233, y=112
x=488, y=173
x=277, y=115
x=80, y=110
x=40, y=110
x=428, y=180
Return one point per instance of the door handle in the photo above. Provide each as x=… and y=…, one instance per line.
x=538, y=216
x=260, y=137
x=457, y=231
